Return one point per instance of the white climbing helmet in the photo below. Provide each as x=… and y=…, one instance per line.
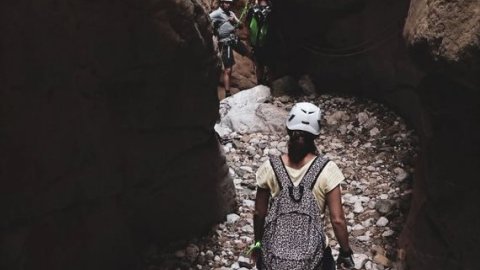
x=304, y=116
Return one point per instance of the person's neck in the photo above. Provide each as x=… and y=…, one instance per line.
x=297, y=165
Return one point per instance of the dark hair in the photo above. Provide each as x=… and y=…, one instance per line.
x=306, y=135
x=297, y=152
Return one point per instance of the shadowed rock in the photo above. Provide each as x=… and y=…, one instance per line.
x=106, y=131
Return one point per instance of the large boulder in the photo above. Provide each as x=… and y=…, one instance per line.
x=247, y=112
x=106, y=131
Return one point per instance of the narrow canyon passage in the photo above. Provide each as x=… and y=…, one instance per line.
x=107, y=130
x=372, y=145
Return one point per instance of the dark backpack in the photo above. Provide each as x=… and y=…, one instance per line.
x=258, y=26
x=293, y=237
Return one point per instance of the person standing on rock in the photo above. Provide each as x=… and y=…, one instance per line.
x=293, y=191
x=224, y=25
x=257, y=21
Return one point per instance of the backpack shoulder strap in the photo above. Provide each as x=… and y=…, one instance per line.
x=314, y=171
x=280, y=171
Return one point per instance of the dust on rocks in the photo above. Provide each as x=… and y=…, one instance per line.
x=375, y=150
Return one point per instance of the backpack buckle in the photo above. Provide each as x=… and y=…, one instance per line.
x=291, y=190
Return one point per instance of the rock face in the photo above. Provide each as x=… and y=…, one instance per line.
x=444, y=215
x=448, y=29
x=353, y=46
x=106, y=131
x=348, y=46
x=443, y=37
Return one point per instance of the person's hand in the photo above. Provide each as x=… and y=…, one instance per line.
x=254, y=251
x=254, y=256
x=345, y=260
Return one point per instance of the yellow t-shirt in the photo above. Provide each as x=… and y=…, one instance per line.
x=329, y=178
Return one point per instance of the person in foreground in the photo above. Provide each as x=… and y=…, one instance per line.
x=293, y=191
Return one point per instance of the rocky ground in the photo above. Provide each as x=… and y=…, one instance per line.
x=375, y=150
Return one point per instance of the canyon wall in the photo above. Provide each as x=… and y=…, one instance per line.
x=106, y=131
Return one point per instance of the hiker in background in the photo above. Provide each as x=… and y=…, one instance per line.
x=257, y=21
x=293, y=191
x=225, y=23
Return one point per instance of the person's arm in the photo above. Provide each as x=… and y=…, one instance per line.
x=261, y=207
x=337, y=217
x=233, y=18
x=339, y=224
x=215, y=42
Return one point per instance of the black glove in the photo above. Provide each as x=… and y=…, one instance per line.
x=345, y=260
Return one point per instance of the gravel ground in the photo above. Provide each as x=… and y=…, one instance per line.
x=375, y=150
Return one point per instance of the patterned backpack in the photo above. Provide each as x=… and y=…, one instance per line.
x=294, y=238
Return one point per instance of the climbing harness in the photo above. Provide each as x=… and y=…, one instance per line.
x=232, y=39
